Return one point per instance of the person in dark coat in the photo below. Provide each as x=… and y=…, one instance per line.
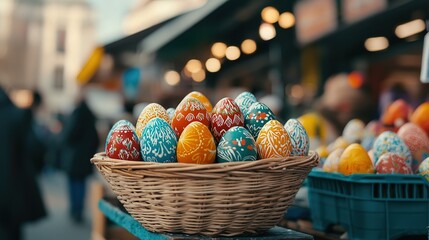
x=80, y=143
x=20, y=196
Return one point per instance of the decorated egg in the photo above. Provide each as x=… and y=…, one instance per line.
x=244, y=100
x=396, y=114
x=273, y=141
x=150, y=111
x=158, y=142
x=340, y=142
x=237, y=144
x=390, y=142
x=333, y=160
x=424, y=168
x=257, y=116
x=225, y=115
x=196, y=145
x=202, y=98
x=417, y=141
x=117, y=124
x=189, y=110
x=389, y=163
x=421, y=116
x=355, y=159
x=298, y=137
x=170, y=113
x=353, y=131
x=123, y=144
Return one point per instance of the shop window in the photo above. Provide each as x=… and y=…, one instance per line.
x=61, y=40
x=59, y=78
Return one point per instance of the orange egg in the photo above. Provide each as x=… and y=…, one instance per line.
x=202, y=98
x=273, y=141
x=355, y=159
x=150, y=111
x=189, y=110
x=196, y=145
x=421, y=116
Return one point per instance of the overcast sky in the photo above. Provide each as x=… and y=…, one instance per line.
x=109, y=16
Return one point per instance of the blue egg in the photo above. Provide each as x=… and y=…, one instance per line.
x=158, y=142
x=257, y=116
x=244, y=101
x=237, y=144
x=390, y=142
x=116, y=125
x=298, y=136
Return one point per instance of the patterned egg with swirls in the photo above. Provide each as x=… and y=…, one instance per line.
x=424, y=168
x=158, y=142
x=273, y=141
x=123, y=144
x=299, y=137
x=237, y=144
x=117, y=124
x=244, y=100
x=150, y=111
x=202, y=98
x=257, y=116
x=390, y=142
x=189, y=110
x=196, y=145
x=225, y=115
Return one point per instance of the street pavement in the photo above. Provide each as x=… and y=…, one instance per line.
x=58, y=225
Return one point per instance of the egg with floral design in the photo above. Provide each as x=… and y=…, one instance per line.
x=237, y=144
x=392, y=163
x=225, y=115
x=273, y=141
x=123, y=144
x=158, y=142
x=150, y=111
x=117, y=124
x=203, y=99
x=298, y=137
x=390, y=142
x=424, y=168
x=244, y=100
x=257, y=116
x=196, y=145
x=417, y=141
x=189, y=110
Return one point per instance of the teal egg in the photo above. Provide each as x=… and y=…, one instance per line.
x=298, y=136
x=158, y=142
x=237, y=144
x=257, y=116
x=116, y=125
x=390, y=142
x=244, y=101
x=424, y=168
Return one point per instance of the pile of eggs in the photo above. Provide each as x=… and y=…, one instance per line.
x=375, y=148
x=240, y=129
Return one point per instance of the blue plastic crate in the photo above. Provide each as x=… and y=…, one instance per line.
x=370, y=206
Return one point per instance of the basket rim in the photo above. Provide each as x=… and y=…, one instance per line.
x=290, y=162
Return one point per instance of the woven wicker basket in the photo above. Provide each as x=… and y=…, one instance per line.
x=223, y=199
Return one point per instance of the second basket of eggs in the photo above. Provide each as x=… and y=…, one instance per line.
x=220, y=170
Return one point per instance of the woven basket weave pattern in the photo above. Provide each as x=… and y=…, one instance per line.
x=215, y=199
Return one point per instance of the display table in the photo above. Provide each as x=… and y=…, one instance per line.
x=129, y=223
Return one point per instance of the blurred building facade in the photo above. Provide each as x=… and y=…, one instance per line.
x=43, y=43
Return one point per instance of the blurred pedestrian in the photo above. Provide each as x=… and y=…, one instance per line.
x=80, y=142
x=20, y=197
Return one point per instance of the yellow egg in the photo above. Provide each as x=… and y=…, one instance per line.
x=273, y=141
x=150, y=111
x=196, y=145
x=355, y=160
x=322, y=151
x=203, y=99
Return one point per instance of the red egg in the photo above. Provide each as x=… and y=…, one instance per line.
x=189, y=110
x=417, y=141
x=123, y=144
x=390, y=163
x=225, y=115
